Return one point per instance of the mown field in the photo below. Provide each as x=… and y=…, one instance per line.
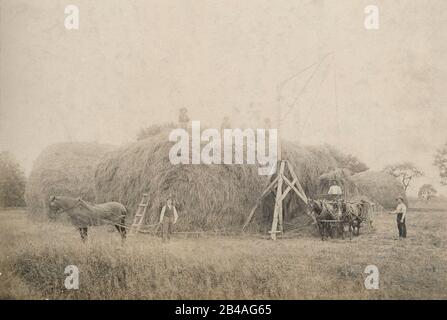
x=33, y=256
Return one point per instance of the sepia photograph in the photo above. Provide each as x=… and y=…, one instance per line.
x=223, y=150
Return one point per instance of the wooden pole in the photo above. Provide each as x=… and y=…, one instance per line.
x=278, y=203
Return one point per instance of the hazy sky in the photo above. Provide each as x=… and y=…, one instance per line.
x=133, y=63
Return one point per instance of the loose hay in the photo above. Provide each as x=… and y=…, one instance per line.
x=63, y=169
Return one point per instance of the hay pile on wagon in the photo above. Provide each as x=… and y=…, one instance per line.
x=208, y=197
x=343, y=177
x=63, y=169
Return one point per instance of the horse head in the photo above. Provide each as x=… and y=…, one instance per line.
x=341, y=207
x=60, y=204
x=314, y=209
x=55, y=202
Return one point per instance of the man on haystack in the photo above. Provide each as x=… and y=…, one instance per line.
x=168, y=217
x=335, y=189
x=401, y=212
x=183, y=118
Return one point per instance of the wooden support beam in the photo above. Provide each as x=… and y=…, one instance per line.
x=278, y=204
x=287, y=190
x=303, y=197
x=285, y=193
x=253, y=210
x=278, y=182
x=295, y=178
x=270, y=187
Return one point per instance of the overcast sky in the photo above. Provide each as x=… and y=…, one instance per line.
x=379, y=94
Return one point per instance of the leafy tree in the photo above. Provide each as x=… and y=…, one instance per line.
x=12, y=182
x=441, y=163
x=427, y=191
x=404, y=171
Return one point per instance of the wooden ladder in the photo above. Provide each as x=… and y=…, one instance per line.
x=139, y=215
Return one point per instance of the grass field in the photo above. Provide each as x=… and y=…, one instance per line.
x=33, y=256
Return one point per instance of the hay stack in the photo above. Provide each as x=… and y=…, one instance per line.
x=209, y=197
x=380, y=187
x=63, y=169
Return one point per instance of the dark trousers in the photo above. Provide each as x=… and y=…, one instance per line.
x=401, y=226
x=167, y=228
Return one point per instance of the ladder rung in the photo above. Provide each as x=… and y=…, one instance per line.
x=141, y=211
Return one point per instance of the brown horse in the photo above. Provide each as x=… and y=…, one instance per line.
x=84, y=214
x=323, y=212
x=354, y=214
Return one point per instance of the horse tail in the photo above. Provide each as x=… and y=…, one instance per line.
x=125, y=214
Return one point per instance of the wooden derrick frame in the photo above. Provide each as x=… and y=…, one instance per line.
x=279, y=182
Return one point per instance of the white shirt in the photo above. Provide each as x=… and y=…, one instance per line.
x=162, y=214
x=401, y=208
x=335, y=190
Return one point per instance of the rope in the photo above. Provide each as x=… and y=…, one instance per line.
x=292, y=105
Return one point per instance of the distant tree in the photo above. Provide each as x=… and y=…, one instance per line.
x=404, y=171
x=441, y=163
x=153, y=130
x=427, y=191
x=12, y=182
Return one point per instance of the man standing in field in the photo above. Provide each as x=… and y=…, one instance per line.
x=168, y=217
x=401, y=212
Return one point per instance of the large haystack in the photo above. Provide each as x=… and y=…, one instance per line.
x=380, y=187
x=63, y=169
x=208, y=196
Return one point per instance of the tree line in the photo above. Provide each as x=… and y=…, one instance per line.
x=12, y=182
